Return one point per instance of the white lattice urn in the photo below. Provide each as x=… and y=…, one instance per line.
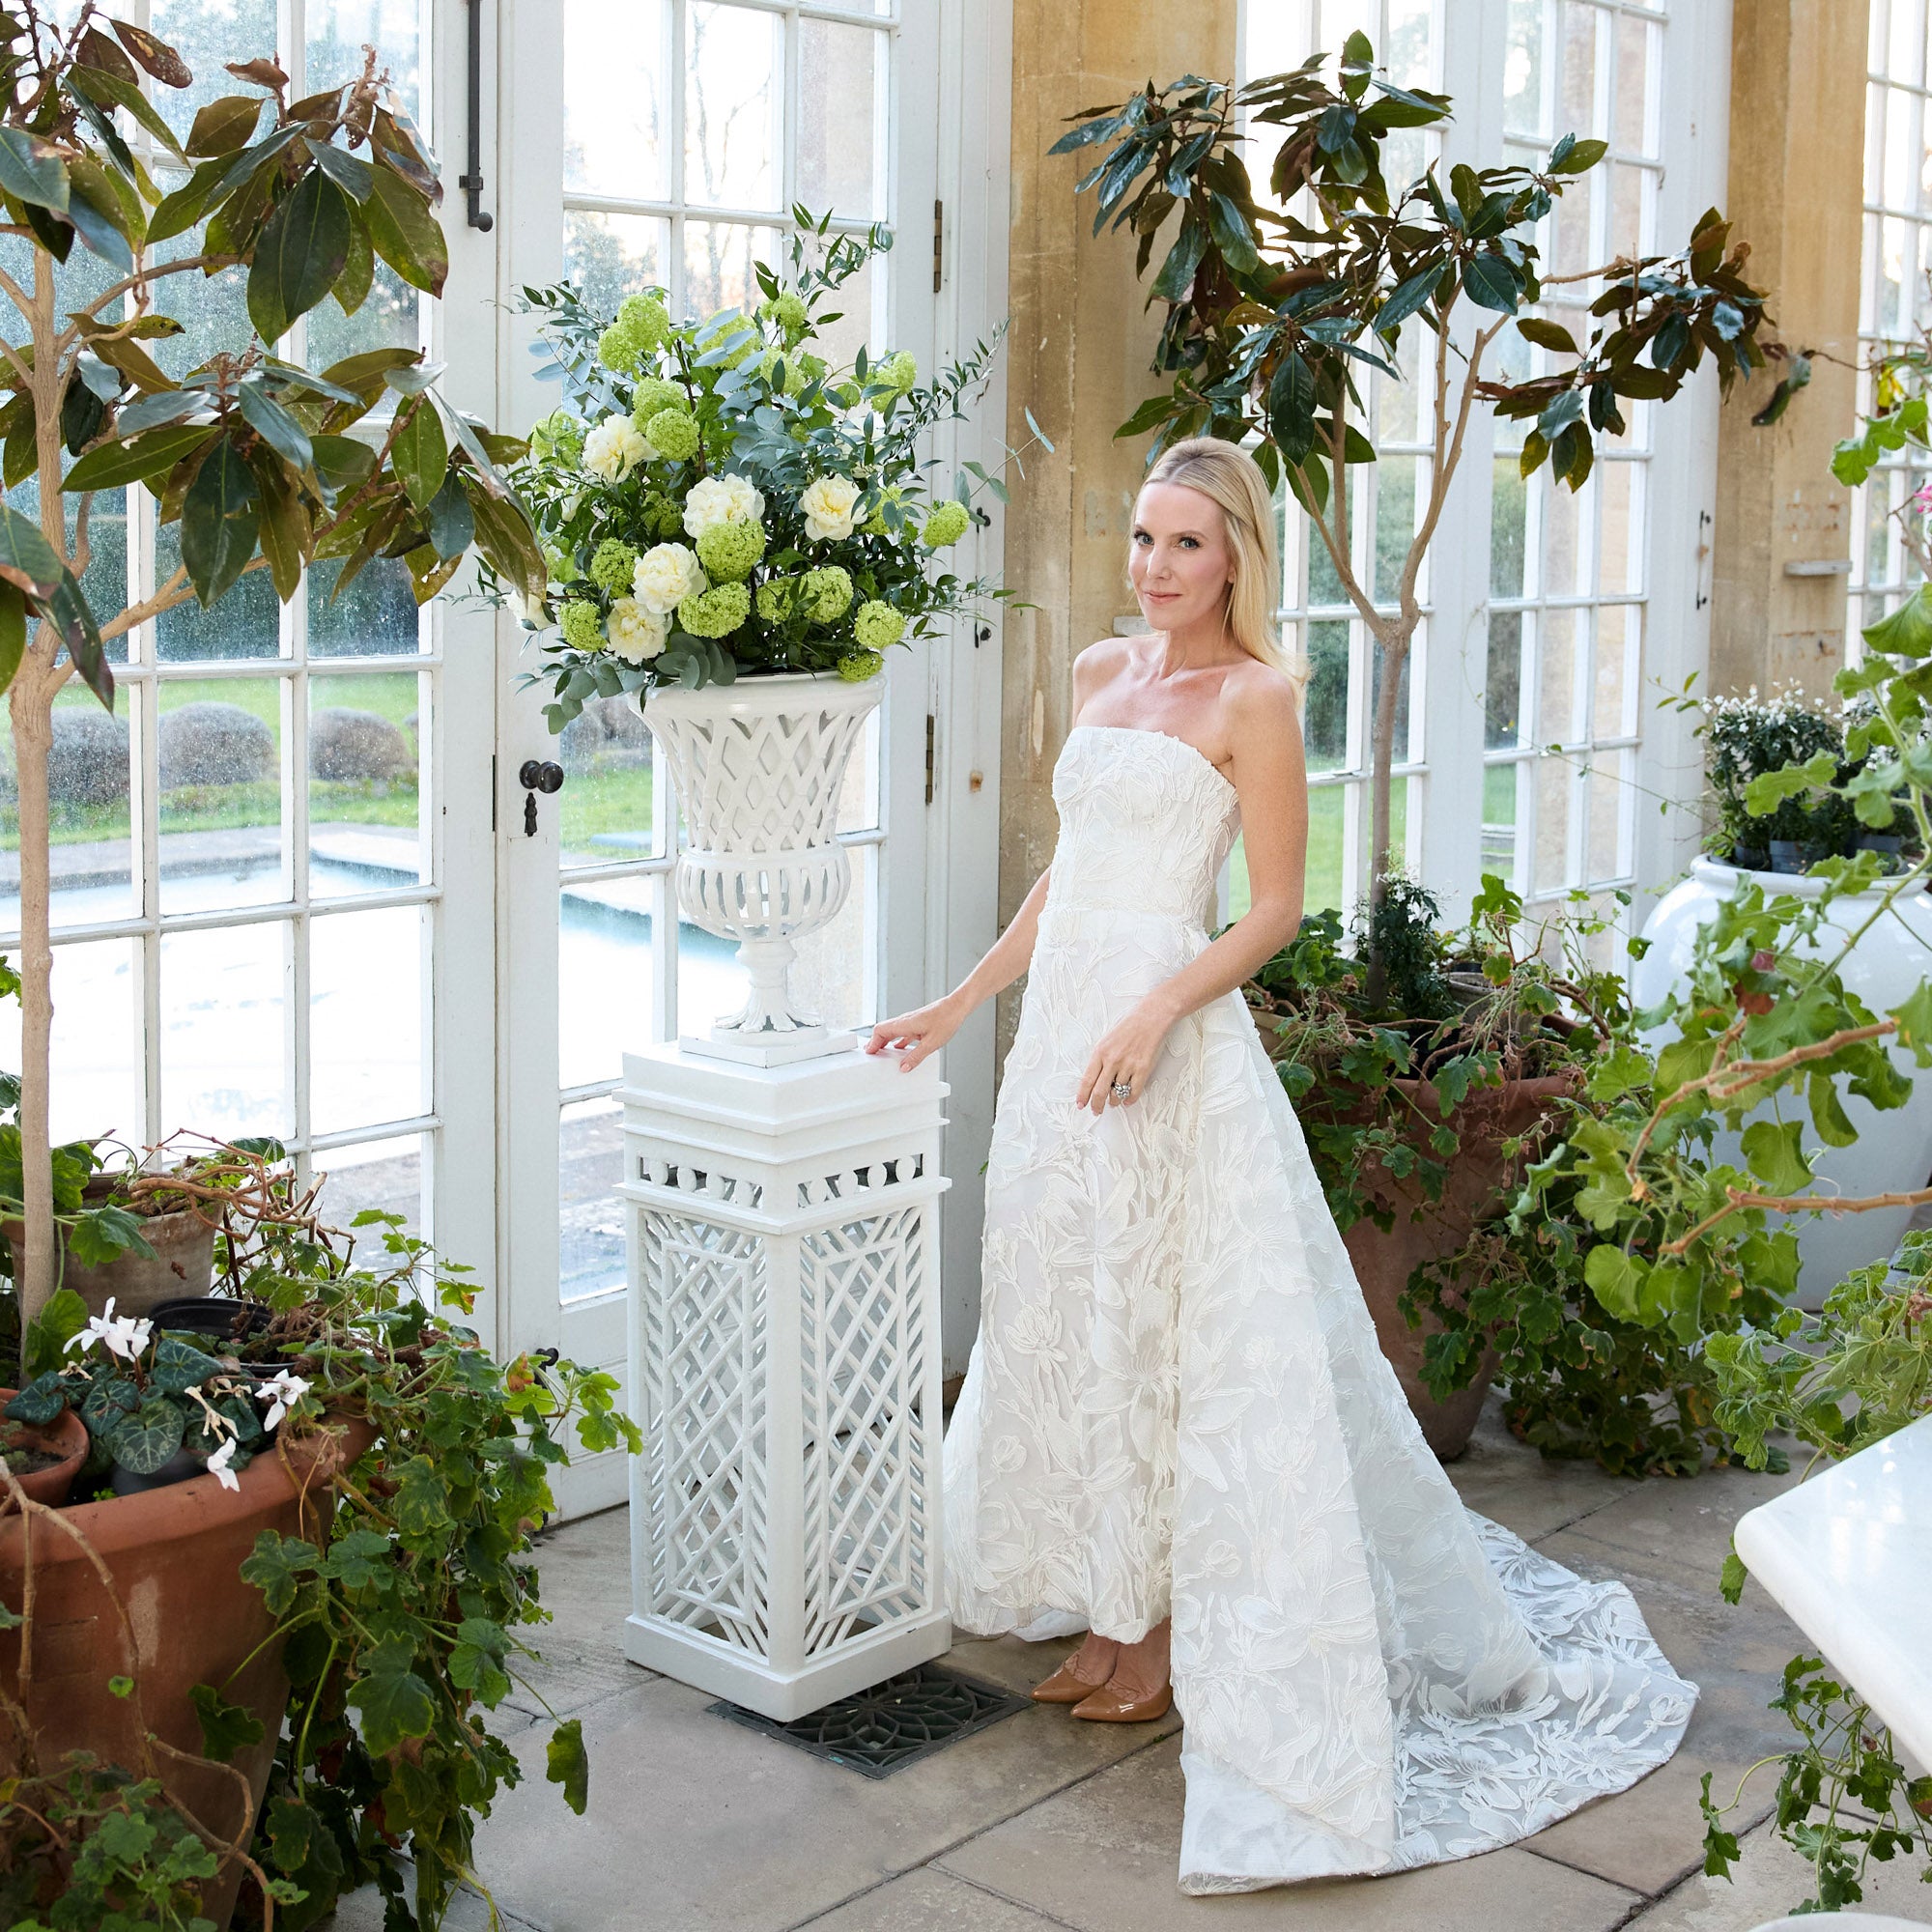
x=1894, y=1151
x=784, y=1369
x=759, y=766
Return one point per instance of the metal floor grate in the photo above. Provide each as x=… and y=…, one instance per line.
x=892, y=1725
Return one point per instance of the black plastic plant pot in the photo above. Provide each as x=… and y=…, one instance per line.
x=1750, y=858
x=215, y=1316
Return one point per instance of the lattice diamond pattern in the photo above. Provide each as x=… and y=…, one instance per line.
x=764, y=783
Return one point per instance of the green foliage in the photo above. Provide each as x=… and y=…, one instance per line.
x=831, y=463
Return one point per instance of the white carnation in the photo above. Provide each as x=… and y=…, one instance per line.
x=722, y=500
x=664, y=576
x=636, y=633
x=827, y=502
x=615, y=448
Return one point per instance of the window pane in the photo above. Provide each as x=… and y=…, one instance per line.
x=88, y=778
x=828, y=978
x=96, y=1054
x=614, y=58
x=608, y=256
x=1522, y=68
x=842, y=72
x=244, y=623
x=219, y=742
x=1500, y=813
x=375, y=616
x=733, y=101
x=590, y=1219
x=225, y=1050
x=604, y=806
x=1502, y=695
x=602, y=968
x=365, y=1007
x=718, y=263
x=387, y=1174
x=1323, y=888
x=1325, y=718
x=390, y=313
x=364, y=783
x=338, y=30
x=1556, y=676
x=207, y=33
x=1554, y=786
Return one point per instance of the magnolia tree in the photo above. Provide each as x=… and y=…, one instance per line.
x=1275, y=312
x=264, y=465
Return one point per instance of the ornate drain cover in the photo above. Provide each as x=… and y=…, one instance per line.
x=891, y=1725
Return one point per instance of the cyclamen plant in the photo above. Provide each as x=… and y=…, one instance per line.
x=715, y=498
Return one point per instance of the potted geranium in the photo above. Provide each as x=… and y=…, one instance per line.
x=736, y=531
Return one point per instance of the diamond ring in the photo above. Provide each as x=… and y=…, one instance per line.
x=1123, y=1089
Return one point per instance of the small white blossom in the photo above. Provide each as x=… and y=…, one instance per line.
x=281, y=1392
x=125, y=1335
x=218, y=1466
x=664, y=576
x=722, y=500
x=636, y=631
x=615, y=448
x=827, y=502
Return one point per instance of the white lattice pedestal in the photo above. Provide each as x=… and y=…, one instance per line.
x=785, y=1363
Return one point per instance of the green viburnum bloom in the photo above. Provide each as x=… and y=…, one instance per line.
x=716, y=612
x=652, y=394
x=720, y=323
x=641, y=330
x=663, y=516
x=947, y=522
x=559, y=567
x=787, y=309
x=611, y=565
x=827, y=592
x=559, y=434
x=899, y=371
x=673, y=434
x=730, y=552
x=875, y=526
x=877, y=625
x=856, y=667
x=582, y=625
x=775, y=597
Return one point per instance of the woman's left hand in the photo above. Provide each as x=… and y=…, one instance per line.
x=1126, y=1053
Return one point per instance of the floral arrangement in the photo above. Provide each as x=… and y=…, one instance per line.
x=715, y=498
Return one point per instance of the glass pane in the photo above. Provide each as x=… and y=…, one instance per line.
x=1502, y=691
x=338, y=30
x=96, y=1055
x=718, y=259
x=1325, y=723
x=1325, y=586
x=1322, y=891
x=1395, y=525
x=387, y=1174
x=104, y=581
x=614, y=59
x=1499, y=795
x=604, y=970
x=224, y=1042
x=841, y=109
x=1554, y=786
x=1619, y=528
x=1509, y=511
x=1637, y=41
x=1631, y=190
x=590, y=1213
x=1556, y=676
x=1619, y=632
x=1522, y=68
x=859, y=794
x=828, y=978
x=220, y=755
x=365, y=1017
x=850, y=319
x=206, y=34
x=733, y=105
x=610, y=256
x=1604, y=858
x=711, y=984
x=605, y=807
x=390, y=313
x=245, y=623
x=1558, y=552
x=364, y=775
x=375, y=618
x=211, y=309
x=1580, y=67
x=90, y=856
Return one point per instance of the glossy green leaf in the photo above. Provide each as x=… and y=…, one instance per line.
x=358, y=271
x=115, y=465
x=353, y=175
x=30, y=170
x=225, y=1727
x=275, y=425
x=141, y=1442
x=220, y=519
x=1571, y=157
x=420, y=452
x=405, y=233
x=396, y=1707
x=13, y=632
x=452, y=523
x=301, y=251
x=43, y=1399
x=223, y=126
x=110, y=89
x=26, y=558
x=1489, y=282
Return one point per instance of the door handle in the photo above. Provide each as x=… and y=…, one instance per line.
x=535, y=777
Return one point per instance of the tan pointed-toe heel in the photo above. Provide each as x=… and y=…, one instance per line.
x=1106, y=1706
x=1063, y=1688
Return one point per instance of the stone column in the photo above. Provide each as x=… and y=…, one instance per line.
x=1080, y=350
x=1798, y=93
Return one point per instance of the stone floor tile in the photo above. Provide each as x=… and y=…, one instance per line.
x=700, y=1825
x=1767, y=1882
x=1523, y=1490
x=1103, y=1857
x=585, y=1572
x=1685, y=1523
x=929, y=1901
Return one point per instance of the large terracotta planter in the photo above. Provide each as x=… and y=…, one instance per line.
x=65, y=1437
x=175, y=1555
x=1480, y=1179
x=183, y=1264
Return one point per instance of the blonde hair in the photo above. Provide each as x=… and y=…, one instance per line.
x=1229, y=476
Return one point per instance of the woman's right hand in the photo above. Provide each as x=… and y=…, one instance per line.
x=918, y=1034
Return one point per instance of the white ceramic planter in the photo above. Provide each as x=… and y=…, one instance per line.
x=1894, y=1151
x=759, y=766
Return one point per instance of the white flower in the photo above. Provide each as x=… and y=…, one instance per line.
x=636, y=631
x=827, y=502
x=281, y=1392
x=664, y=577
x=615, y=448
x=218, y=1466
x=125, y=1335
x=722, y=500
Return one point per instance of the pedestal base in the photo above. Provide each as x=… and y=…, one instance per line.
x=784, y=1369
x=770, y=1049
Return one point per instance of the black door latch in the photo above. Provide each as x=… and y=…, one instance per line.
x=535, y=777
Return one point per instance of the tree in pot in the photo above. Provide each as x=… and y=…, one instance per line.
x=264, y=465
x=1272, y=312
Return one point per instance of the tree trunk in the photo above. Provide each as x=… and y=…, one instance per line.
x=1382, y=784
x=36, y=1270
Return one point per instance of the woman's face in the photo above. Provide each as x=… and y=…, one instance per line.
x=1180, y=561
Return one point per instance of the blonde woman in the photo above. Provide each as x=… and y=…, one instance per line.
x=1176, y=1432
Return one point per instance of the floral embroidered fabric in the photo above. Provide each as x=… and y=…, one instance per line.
x=1175, y=1403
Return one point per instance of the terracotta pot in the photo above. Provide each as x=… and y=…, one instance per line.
x=66, y=1436
x=183, y=1264
x=1479, y=1180
x=175, y=1555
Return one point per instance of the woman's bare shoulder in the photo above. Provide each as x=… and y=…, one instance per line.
x=1257, y=696
x=1098, y=664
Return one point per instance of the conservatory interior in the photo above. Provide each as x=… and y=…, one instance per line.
x=545, y=545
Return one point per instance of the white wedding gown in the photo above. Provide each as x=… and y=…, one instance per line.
x=1176, y=1403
